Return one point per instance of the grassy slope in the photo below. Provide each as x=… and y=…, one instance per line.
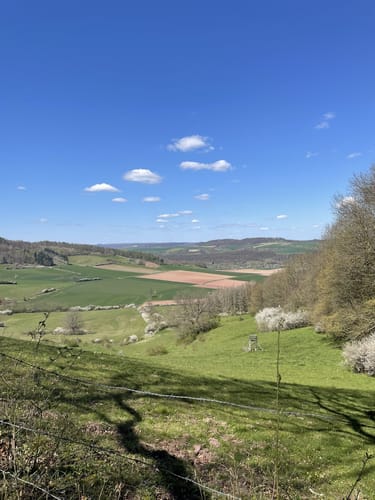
x=321, y=454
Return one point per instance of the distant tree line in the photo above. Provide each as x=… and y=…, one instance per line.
x=47, y=253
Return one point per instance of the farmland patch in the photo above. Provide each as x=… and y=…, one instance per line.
x=202, y=280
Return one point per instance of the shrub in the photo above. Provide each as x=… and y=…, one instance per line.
x=353, y=323
x=193, y=316
x=272, y=318
x=157, y=350
x=360, y=355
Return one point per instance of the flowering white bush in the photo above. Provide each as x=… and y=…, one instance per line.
x=272, y=318
x=360, y=355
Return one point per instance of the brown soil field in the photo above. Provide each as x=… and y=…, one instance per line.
x=202, y=280
x=223, y=283
x=130, y=269
x=261, y=272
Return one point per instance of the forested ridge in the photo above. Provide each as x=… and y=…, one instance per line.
x=49, y=253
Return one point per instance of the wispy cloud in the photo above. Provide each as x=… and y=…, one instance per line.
x=43, y=220
x=281, y=216
x=168, y=216
x=329, y=116
x=190, y=143
x=143, y=175
x=202, y=197
x=96, y=188
x=161, y=221
x=21, y=188
x=185, y=212
x=322, y=125
x=311, y=154
x=119, y=200
x=264, y=228
x=151, y=199
x=325, y=122
x=216, y=166
x=351, y=156
x=195, y=221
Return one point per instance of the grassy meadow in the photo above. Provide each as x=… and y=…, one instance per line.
x=88, y=427
x=112, y=287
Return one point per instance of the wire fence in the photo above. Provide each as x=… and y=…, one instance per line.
x=106, y=450
x=110, y=451
x=108, y=387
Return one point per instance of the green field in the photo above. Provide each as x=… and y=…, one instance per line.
x=113, y=287
x=321, y=448
x=316, y=443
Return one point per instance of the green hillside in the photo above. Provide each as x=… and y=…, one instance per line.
x=100, y=437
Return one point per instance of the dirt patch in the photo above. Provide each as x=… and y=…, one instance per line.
x=261, y=272
x=200, y=280
x=160, y=303
x=223, y=283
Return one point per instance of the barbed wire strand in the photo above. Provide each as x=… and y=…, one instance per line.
x=16, y=478
x=103, y=449
x=169, y=396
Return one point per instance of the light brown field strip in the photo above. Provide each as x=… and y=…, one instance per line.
x=223, y=283
x=201, y=280
x=261, y=272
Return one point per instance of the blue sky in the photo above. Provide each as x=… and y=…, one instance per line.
x=165, y=121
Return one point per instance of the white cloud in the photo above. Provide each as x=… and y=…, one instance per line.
x=322, y=125
x=167, y=216
x=195, y=221
x=264, y=228
x=161, y=220
x=21, y=188
x=311, y=154
x=143, y=175
x=354, y=155
x=190, y=143
x=202, y=197
x=96, y=188
x=151, y=199
x=216, y=166
x=119, y=200
x=281, y=216
x=185, y=212
x=325, y=120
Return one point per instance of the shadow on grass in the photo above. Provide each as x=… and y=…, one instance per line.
x=345, y=414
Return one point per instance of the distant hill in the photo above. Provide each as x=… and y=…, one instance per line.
x=264, y=253
x=50, y=253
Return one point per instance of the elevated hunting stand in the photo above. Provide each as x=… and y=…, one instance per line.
x=253, y=344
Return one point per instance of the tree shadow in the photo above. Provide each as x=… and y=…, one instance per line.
x=168, y=466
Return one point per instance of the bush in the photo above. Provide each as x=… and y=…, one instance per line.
x=351, y=323
x=360, y=355
x=273, y=318
x=157, y=351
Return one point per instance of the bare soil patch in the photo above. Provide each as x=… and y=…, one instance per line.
x=261, y=272
x=189, y=277
x=223, y=283
x=201, y=280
